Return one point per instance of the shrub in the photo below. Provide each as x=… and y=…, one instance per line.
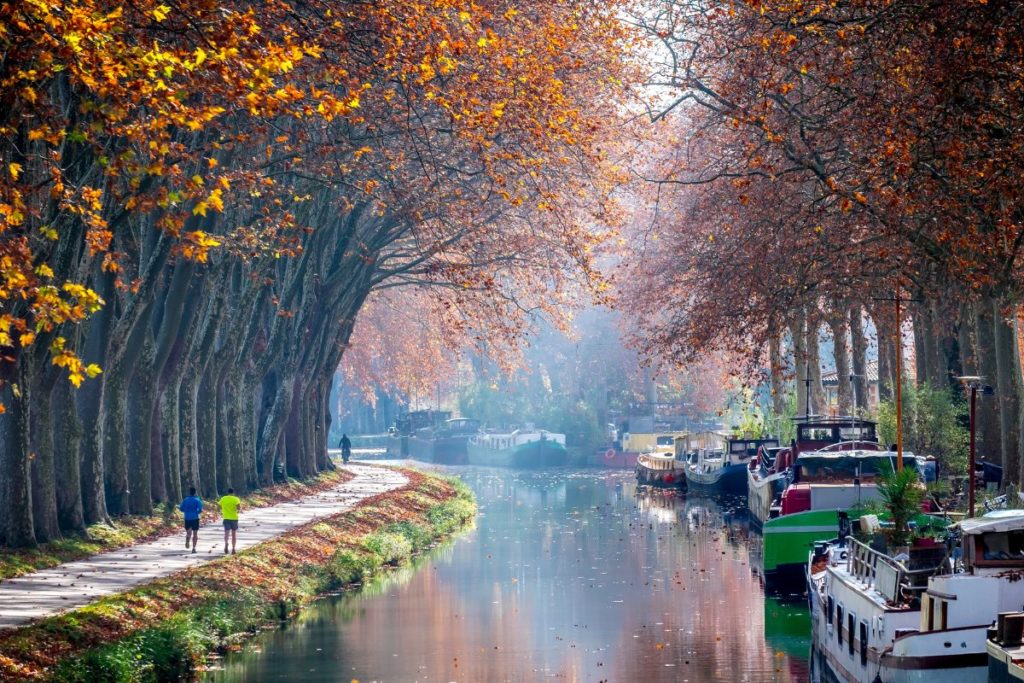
x=391, y=548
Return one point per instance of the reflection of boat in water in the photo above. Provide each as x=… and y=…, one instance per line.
x=519, y=448
x=657, y=504
x=787, y=626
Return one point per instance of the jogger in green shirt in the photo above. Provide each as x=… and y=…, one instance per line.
x=229, y=507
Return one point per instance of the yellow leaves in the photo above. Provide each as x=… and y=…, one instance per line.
x=353, y=102
x=87, y=299
x=160, y=12
x=14, y=169
x=27, y=338
x=498, y=110
x=200, y=56
x=483, y=41
x=67, y=359
x=464, y=16
x=215, y=200
x=43, y=270
x=196, y=245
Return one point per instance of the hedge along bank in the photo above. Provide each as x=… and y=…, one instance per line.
x=162, y=631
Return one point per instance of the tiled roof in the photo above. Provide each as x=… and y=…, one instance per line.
x=829, y=378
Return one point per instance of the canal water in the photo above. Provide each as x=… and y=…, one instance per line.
x=569, y=575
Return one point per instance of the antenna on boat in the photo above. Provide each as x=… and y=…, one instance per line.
x=807, y=388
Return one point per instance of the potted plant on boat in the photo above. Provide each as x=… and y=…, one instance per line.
x=901, y=493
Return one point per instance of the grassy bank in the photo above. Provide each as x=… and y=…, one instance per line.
x=162, y=631
x=132, y=529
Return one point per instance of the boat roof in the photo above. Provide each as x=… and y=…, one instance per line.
x=659, y=455
x=997, y=520
x=831, y=420
x=855, y=453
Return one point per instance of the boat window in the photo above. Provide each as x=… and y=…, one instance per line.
x=830, y=608
x=839, y=623
x=928, y=605
x=851, y=619
x=816, y=434
x=665, y=441
x=1003, y=546
x=943, y=614
x=863, y=643
x=856, y=434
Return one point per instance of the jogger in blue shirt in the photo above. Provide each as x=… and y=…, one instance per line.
x=191, y=506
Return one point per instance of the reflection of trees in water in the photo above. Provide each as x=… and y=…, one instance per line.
x=562, y=571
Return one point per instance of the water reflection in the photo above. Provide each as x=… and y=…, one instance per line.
x=573, y=575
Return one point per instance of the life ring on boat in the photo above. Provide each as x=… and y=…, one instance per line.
x=843, y=555
x=609, y=454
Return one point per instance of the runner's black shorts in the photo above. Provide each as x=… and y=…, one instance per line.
x=231, y=524
x=192, y=525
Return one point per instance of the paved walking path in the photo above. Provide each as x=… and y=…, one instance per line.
x=45, y=593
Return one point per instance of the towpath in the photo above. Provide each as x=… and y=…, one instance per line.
x=67, y=586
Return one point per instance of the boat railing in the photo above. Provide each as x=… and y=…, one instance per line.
x=890, y=577
x=850, y=445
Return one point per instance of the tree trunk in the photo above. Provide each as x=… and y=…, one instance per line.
x=885, y=330
x=1010, y=388
x=141, y=398
x=814, y=366
x=67, y=437
x=966, y=341
x=922, y=348
x=269, y=444
x=15, y=476
x=44, y=476
x=844, y=389
x=777, y=379
x=859, y=360
x=798, y=333
x=115, y=438
x=987, y=427
x=206, y=435
x=169, y=432
x=188, y=390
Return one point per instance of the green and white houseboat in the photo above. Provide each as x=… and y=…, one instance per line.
x=771, y=471
x=826, y=483
x=528, y=447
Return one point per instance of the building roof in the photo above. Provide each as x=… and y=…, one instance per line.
x=830, y=378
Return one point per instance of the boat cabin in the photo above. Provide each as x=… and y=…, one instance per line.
x=829, y=480
x=640, y=442
x=462, y=426
x=814, y=433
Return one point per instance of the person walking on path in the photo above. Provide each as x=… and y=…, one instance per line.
x=192, y=506
x=346, y=448
x=229, y=507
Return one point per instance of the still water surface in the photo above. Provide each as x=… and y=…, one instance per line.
x=569, y=575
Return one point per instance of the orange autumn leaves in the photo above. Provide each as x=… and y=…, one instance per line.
x=194, y=118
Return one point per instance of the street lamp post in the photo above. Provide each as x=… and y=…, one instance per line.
x=974, y=384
